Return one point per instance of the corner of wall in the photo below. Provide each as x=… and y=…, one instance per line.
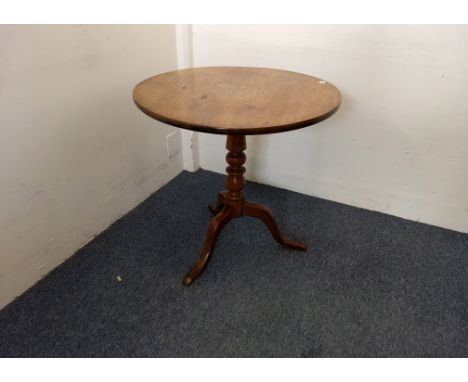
x=184, y=47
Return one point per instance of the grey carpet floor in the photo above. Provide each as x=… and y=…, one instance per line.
x=369, y=285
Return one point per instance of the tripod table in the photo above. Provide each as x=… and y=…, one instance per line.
x=236, y=101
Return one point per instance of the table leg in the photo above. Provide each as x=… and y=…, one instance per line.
x=232, y=204
x=264, y=214
x=216, y=206
x=216, y=225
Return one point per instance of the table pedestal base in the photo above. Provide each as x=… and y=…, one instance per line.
x=231, y=204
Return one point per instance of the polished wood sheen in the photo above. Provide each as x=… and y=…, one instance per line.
x=236, y=101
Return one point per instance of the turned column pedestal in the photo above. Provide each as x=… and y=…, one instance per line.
x=232, y=204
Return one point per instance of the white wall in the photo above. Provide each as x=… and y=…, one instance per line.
x=75, y=153
x=190, y=151
x=399, y=143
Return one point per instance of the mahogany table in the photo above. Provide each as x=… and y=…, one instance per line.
x=236, y=101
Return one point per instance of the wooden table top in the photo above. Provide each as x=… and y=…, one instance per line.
x=237, y=100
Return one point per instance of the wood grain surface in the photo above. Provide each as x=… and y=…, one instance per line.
x=237, y=100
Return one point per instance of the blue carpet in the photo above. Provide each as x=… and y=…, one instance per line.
x=369, y=285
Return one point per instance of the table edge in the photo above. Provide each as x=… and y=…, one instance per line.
x=239, y=131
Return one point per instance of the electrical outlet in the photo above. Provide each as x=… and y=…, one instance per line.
x=172, y=144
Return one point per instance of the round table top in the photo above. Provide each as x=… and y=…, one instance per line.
x=237, y=100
